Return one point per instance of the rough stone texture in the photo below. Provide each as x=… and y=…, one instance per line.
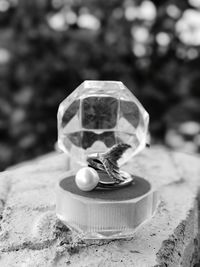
x=31, y=235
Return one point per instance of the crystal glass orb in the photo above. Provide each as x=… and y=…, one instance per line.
x=98, y=115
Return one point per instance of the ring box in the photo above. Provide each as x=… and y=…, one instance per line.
x=102, y=118
x=107, y=214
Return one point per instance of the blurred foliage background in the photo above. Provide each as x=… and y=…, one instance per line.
x=48, y=47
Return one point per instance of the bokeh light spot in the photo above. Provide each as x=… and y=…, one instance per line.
x=163, y=39
x=140, y=34
x=88, y=21
x=131, y=13
x=192, y=53
x=173, y=11
x=147, y=10
x=71, y=17
x=188, y=27
x=4, y=56
x=4, y=5
x=57, y=22
x=189, y=128
x=139, y=50
x=194, y=3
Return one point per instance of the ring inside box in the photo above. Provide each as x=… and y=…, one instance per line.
x=136, y=189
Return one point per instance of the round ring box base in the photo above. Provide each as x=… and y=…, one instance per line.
x=105, y=214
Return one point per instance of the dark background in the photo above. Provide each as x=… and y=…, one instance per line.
x=47, y=48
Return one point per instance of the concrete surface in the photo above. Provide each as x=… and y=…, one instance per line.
x=31, y=235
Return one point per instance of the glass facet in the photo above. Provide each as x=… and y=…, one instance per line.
x=98, y=115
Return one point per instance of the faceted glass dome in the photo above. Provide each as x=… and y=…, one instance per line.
x=98, y=115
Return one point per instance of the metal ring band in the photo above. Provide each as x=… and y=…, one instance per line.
x=114, y=184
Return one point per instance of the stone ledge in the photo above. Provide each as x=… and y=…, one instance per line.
x=31, y=235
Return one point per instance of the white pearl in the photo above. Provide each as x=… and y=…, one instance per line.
x=87, y=179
